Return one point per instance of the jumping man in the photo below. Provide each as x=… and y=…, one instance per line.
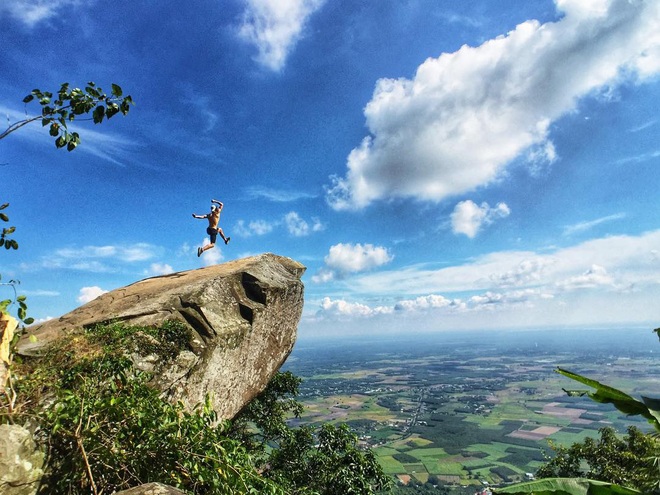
x=212, y=230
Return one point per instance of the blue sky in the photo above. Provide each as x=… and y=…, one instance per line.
x=436, y=165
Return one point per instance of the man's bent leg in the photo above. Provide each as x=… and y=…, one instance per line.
x=222, y=234
x=207, y=247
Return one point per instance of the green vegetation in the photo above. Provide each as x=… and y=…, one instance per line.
x=69, y=104
x=326, y=462
x=19, y=301
x=567, y=486
x=116, y=435
x=624, y=461
x=390, y=465
x=404, y=458
x=106, y=429
x=648, y=408
x=611, y=465
x=7, y=231
x=322, y=461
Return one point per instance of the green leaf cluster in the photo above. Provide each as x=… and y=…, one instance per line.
x=566, y=486
x=621, y=461
x=20, y=301
x=326, y=461
x=71, y=103
x=7, y=231
x=119, y=434
x=68, y=104
x=648, y=407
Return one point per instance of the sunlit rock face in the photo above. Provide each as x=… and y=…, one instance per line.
x=243, y=317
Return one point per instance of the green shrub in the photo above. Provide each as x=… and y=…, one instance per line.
x=105, y=429
x=123, y=434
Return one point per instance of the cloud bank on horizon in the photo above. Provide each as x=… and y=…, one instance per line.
x=466, y=115
x=614, y=274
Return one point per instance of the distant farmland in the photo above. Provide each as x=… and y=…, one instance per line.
x=464, y=414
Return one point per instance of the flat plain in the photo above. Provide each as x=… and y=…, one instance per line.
x=472, y=408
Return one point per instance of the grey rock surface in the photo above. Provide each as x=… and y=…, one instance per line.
x=243, y=316
x=21, y=463
x=152, y=489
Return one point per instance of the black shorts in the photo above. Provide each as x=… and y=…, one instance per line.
x=213, y=234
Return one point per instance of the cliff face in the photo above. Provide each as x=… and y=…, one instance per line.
x=243, y=316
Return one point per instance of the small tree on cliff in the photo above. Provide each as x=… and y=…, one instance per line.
x=323, y=461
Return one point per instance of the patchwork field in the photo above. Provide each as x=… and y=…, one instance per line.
x=467, y=414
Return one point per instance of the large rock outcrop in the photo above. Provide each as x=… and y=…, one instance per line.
x=21, y=462
x=243, y=316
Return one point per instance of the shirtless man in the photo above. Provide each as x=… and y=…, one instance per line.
x=212, y=230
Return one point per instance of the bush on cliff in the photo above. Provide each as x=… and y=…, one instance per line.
x=106, y=429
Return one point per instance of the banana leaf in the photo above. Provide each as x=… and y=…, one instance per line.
x=649, y=408
x=566, y=486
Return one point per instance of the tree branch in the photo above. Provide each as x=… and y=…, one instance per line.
x=18, y=125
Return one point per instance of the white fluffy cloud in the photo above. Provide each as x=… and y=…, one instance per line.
x=32, y=12
x=595, y=276
x=425, y=302
x=340, y=309
x=160, y=269
x=298, y=227
x=615, y=262
x=343, y=259
x=89, y=294
x=292, y=221
x=255, y=227
x=212, y=256
x=465, y=115
x=275, y=26
x=467, y=217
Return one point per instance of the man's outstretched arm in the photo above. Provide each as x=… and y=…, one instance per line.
x=199, y=216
